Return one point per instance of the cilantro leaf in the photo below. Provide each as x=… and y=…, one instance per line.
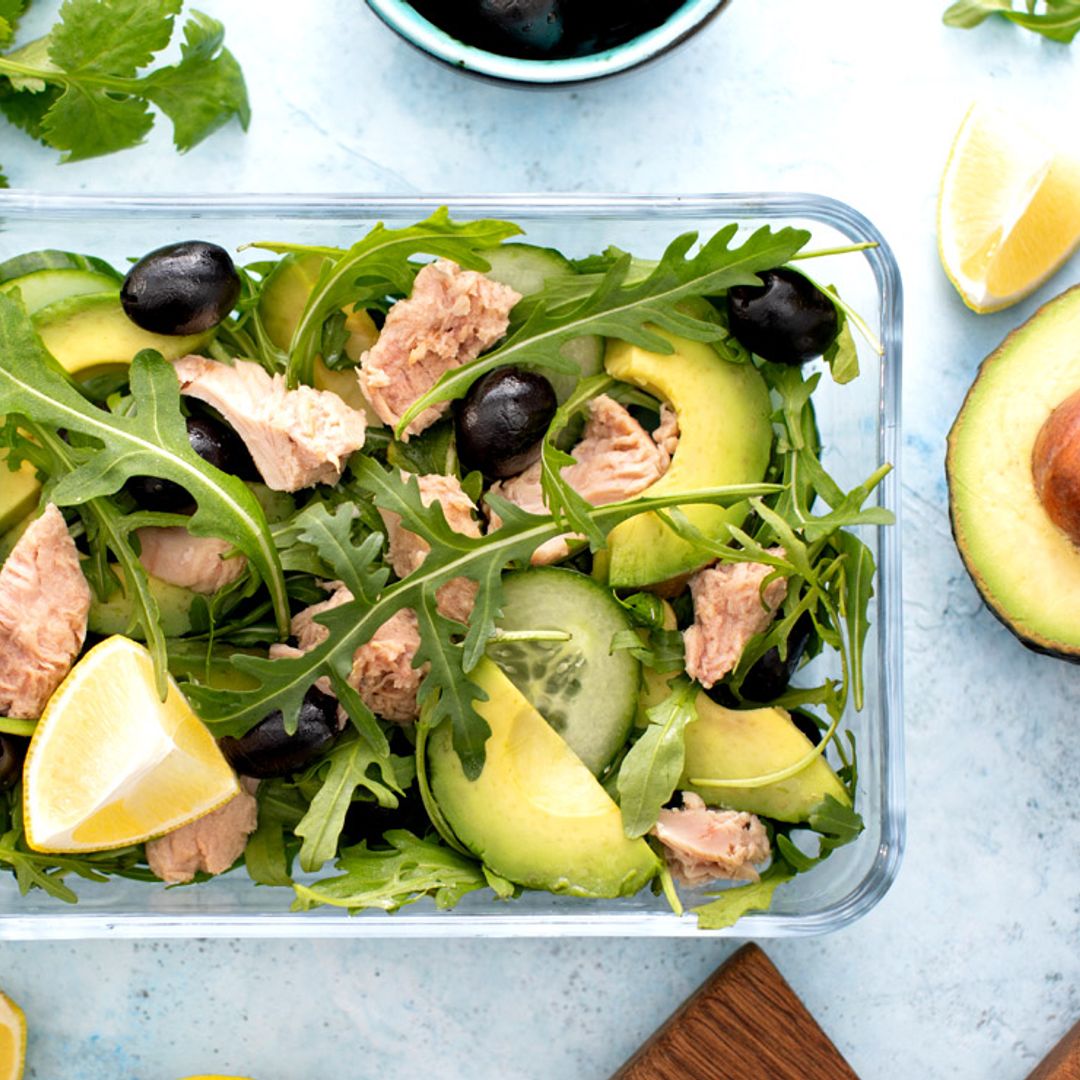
x=87, y=121
x=650, y=771
x=1059, y=20
x=150, y=441
x=110, y=37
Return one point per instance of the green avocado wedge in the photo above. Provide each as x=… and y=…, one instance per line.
x=1025, y=567
x=725, y=437
x=90, y=334
x=535, y=815
x=19, y=491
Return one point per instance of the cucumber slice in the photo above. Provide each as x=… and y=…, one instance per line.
x=32, y=262
x=527, y=269
x=46, y=287
x=587, y=693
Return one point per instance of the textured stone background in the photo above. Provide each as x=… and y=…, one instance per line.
x=970, y=967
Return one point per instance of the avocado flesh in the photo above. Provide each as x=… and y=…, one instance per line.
x=180, y=610
x=90, y=334
x=19, y=491
x=535, y=815
x=1025, y=567
x=733, y=744
x=725, y=437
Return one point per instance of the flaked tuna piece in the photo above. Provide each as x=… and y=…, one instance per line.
x=407, y=551
x=450, y=318
x=616, y=459
x=383, y=673
x=297, y=438
x=211, y=844
x=44, y=602
x=309, y=634
x=701, y=845
x=728, y=612
x=202, y=564
x=666, y=435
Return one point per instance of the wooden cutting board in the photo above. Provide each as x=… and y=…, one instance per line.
x=744, y=1023
x=1063, y=1062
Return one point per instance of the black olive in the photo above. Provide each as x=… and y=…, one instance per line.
x=787, y=319
x=214, y=442
x=181, y=288
x=12, y=752
x=267, y=750
x=807, y=725
x=369, y=821
x=769, y=676
x=502, y=421
x=537, y=24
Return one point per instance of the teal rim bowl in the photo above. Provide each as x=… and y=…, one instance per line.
x=406, y=21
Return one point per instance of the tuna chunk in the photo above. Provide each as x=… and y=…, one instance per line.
x=728, y=612
x=199, y=563
x=616, y=459
x=383, y=673
x=297, y=438
x=210, y=844
x=702, y=845
x=407, y=551
x=44, y=601
x=452, y=316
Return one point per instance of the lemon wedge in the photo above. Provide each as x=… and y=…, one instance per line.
x=110, y=764
x=12, y=1039
x=1008, y=210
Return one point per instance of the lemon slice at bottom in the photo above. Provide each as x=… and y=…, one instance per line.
x=1008, y=210
x=110, y=764
x=12, y=1039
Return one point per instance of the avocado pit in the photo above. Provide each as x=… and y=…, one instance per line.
x=1055, y=466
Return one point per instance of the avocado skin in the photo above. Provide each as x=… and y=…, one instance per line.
x=535, y=815
x=1016, y=340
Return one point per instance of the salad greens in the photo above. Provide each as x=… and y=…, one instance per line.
x=799, y=522
x=1058, y=20
x=83, y=88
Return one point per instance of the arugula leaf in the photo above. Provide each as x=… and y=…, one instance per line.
x=350, y=765
x=652, y=768
x=732, y=904
x=283, y=682
x=1059, y=20
x=389, y=879
x=627, y=308
x=79, y=89
x=150, y=441
x=379, y=265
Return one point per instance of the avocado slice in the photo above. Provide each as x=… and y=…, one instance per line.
x=1025, y=567
x=725, y=437
x=90, y=334
x=19, y=492
x=535, y=815
x=181, y=610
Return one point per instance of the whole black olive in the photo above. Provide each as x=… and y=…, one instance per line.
x=502, y=421
x=12, y=752
x=213, y=442
x=535, y=23
x=787, y=319
x=807, y=725
x=183, y=288
x=267, y=751
x=769, y=676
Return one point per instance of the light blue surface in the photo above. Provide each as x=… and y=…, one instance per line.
x=970, y=967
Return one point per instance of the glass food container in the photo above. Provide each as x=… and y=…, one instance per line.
x=860, y=427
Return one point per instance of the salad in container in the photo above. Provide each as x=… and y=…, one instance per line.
x=442, y=564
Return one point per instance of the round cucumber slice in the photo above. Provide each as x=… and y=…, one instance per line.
x=32, y=262
x=587, y=693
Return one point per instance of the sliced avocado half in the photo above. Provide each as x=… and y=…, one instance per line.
x=725, y=437
x=1025, y=567
x=535, y=815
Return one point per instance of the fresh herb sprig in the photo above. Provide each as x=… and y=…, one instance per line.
x=1058, y=20
x=83, y=88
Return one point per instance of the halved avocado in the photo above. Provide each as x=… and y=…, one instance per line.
x=90, y=334
x=1025, y=567
x=535, y=815
x=725, y=437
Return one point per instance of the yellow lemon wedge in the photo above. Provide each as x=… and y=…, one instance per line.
x=12, y=1039
x=110, y=764
x=1008, y=210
